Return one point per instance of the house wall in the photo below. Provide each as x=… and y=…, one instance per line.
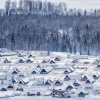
x=58, y=84
x=84, y=79
x=66, y=79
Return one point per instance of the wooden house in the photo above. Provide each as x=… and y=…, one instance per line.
x=48, y=83
x=66, y=78
x=15, y=71
x=58, y=83
x=81, y=94
x=3, y=89
x=84, y=78
x=76, y=83
x=21, y=61
x=14, y=81
x=6, y=61
x=34, y=71
x=46, y=70
x=45, y=61
x=95, y=76
x=57, y=58
x=70, y=87
x=20, y=89
x=29, y=61
x=24, y=81
x=10, y=87
x=89, y=83
x=52, y=62
x=30, y=56
x=67, y=71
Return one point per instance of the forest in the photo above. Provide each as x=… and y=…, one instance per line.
x=46, y=26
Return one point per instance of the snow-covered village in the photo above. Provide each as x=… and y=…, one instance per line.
x=59, y=75
x=49, y=49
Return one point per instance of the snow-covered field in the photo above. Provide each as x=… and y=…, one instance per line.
x=58, y=71
x=50, y=98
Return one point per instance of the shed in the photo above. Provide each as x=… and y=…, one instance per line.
x=24, y=81
x=19, y=89
x=66, y=78
x=45, y=61
x=48, y=83
x=90, y=80
x=3, y=89
x=72, y=69
x=21, y=75
x=76, y=83
x=84, y=77
x=43, y=71
x=30, y=56
x=20, y=55
x=16, y=71
x=89, y=83
x=81, y=94
x=57, y=58
x=21, y=61
x=95, y=76
x=98, y=66
x=35, y=71
x=70, y=87
x=6, y=61
x=10, y=87
x=46, y=70
x=52, y=62
x=29, y=61
x=38, y=66
x=67, y=71
x=14, y=81
x=58, y=83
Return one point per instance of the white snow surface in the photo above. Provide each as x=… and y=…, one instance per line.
x=51, y=98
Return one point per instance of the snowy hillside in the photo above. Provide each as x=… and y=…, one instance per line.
x=38, y=25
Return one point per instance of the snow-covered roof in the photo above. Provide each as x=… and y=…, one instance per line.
x=48, y=68
x=71, y=68
x=25, y=80
x=83, y=56
x=90, y=79
x=74, y=76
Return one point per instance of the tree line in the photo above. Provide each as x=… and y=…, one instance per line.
x=38, y=25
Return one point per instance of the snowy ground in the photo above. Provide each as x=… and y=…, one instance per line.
x=50, y=98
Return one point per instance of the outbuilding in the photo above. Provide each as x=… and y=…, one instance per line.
x=21, y=61
x=35, y=71
x=58, y=83
x=10, y=87
x=81, y=94
x=66, y=78
x=6, y=61
x=3, y=89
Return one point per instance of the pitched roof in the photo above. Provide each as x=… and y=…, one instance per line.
x=90, y=80
x=25, y=80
